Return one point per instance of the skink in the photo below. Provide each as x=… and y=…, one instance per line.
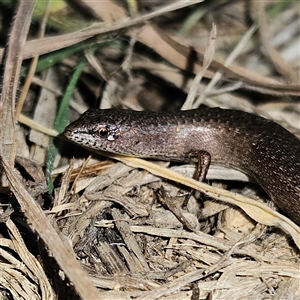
x=261, y=148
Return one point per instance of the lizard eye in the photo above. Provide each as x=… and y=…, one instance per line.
x=103, y=132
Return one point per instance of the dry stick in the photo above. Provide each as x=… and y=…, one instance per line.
x=32, y=68
x=177, y=54
x=278, y=61
x=37, y=126
x=207, y=59
x=218, y=75
x=13, y=61
x=50, y=44
x=63, y=253
x=34, y=214
x=30, y=261
x=254, y=209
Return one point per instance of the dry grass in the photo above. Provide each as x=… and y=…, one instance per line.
x=110, y=230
